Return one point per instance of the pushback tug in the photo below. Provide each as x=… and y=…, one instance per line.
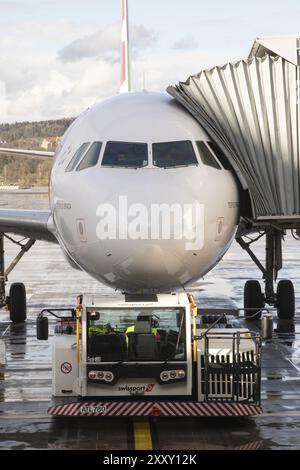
x=152, y=355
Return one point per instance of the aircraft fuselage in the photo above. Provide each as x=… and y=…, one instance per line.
x=141, y=228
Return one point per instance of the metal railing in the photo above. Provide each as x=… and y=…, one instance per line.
x=234, y=375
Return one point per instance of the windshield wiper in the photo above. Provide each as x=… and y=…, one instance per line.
x=177, y=343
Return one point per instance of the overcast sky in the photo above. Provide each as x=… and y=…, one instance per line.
x=59, y=56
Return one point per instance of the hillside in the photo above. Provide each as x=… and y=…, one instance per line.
x=42, y=135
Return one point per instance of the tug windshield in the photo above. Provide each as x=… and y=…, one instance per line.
x=136, y=335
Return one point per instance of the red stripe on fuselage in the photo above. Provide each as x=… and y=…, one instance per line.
x=123, y=62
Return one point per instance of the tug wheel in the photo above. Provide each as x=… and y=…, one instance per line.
x=253, y=299
x=17, y=302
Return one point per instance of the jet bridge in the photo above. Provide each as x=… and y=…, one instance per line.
x=251, y=110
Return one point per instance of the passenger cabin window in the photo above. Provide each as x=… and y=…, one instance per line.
x=206, y=156
x=91, y=157
x=220, y=155
x=173, y=154
x=77, y=156
x=125, y=155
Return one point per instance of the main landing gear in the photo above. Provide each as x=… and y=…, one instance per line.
x=16, y=301
x=284, y=297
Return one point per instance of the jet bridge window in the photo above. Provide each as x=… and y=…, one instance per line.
x=206, y=156
x=77, y=156
x=125, y=155
x=174, y=154
x=91, y=157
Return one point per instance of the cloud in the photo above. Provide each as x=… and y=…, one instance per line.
x=42, y=84
x=53, y=89
x=64, y=90
x=105, y=43
x=162, y=69
x=10, y=6
x=186, y=43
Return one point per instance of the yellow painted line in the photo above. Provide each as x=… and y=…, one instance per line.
x=142, y=434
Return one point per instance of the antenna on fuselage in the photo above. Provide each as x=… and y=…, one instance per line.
x=125, y=52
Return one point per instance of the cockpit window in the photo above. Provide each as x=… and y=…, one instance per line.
x=91, y=157
x=172, y=154
x=206, y=156
x=220, y=155
x=125, y=155
x=77, y=156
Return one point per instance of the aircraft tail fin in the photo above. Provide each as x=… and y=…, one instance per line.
x=125, y=53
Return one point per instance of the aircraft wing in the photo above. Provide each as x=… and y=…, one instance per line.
x=26, y=153
x=32, y=224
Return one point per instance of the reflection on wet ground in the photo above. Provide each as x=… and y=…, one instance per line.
x=25, y=381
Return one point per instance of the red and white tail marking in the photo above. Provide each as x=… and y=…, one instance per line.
x=125, y=60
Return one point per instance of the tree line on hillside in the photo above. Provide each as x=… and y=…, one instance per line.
x=33, y=130
x=28, y=135
x=24, y=171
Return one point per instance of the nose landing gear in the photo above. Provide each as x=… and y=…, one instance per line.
x=16, y=301
x=284, y=297
x=285, y=300
x=254, y=300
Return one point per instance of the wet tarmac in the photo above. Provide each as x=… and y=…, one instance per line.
x=25, y=381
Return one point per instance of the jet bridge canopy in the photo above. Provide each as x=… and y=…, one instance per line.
x=251, y=110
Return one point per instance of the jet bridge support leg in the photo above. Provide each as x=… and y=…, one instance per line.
x=284, y=297
x=273, y=262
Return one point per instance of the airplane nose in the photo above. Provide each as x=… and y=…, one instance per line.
x=154, y=265
x=155, y=228
x=150, y=234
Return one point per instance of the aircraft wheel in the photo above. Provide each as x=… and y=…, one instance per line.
x=285, y=300
x=253, y=299
x=17, y=302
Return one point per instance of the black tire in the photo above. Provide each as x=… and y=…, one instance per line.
x=285, y=300
x=17, y=302
x=253, y=299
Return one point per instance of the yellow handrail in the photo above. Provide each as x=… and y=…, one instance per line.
x=78, y=312
x=195, y=312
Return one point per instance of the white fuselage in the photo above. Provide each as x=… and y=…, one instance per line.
x=122, y=260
